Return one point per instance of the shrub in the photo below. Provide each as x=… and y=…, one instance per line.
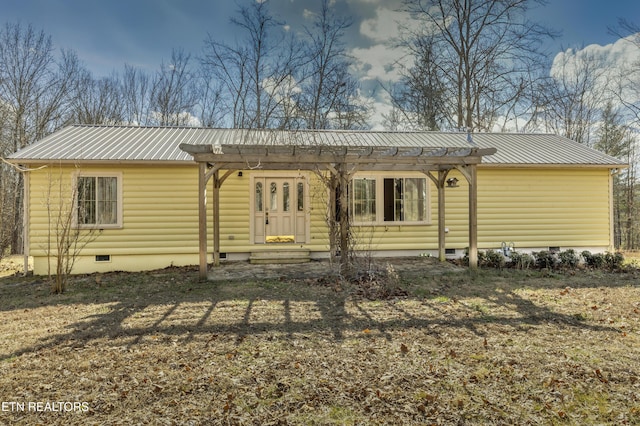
x=613, y=261
x=492, y=259
x=595, y=261
x=544, y=259
x=521, y=260
x=568, y=259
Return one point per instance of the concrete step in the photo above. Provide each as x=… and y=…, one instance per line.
x=279, y=256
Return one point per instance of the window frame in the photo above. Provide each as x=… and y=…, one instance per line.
x=119, y=198
x=380, y=200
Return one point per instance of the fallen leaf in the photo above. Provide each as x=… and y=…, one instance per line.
x=403, y=348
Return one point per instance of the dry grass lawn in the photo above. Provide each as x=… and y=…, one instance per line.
x=496, y=347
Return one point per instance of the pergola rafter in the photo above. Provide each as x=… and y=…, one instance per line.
x=342, y=162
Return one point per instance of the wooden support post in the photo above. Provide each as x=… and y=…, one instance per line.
x=202, y=218
x=439, y=182
x=216, y=218
x=473, y=217
x=442, y=175
x=333, y=208
x=470, y=173
x=345, y=267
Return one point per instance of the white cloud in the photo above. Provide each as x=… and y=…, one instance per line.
x=610, y=61
x=378, y=62
x=384, y=26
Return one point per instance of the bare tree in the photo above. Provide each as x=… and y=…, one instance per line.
x=35, y=88
x=328, y=95
x=571, y=99
x=484, y=47
x=616, y=139
x=136, y=95
x=65, y=239
x=419, y=98
x=255, y=73
x=97, y=101
x=173, y=95
x=209, y=99
x=628, y=90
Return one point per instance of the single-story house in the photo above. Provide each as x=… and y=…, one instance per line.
x=149, y=197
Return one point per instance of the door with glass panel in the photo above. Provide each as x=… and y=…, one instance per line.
x=279, y=211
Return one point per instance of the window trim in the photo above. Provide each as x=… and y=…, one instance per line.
x=119, y=198
x=379, y=201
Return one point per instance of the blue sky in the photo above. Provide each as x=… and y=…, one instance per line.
x=106, y=34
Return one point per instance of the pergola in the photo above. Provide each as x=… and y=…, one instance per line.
x=342, y=162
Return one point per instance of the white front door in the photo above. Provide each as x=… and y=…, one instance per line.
x=279, y=210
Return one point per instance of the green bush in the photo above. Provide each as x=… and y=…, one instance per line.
x=544, y=259
x=595, y=261
x=613, y=261
x=492, y=259
x=568, y=259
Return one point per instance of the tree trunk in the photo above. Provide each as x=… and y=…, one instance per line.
x=17, y=237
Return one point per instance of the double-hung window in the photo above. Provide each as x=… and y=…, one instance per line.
x=389, y=199
x=363, y=205
x=98, y=201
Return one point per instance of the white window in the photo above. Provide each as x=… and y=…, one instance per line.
x=99, y=200
x=387, y=200
x=363, y=205
x=405, y=199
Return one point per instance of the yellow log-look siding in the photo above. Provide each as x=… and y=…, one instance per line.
x=541, y=208
x=160, y=217
x=531, y=207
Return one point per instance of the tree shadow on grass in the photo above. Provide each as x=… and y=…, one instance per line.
x=131, y=309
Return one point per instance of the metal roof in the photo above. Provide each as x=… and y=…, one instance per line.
x=82, y=144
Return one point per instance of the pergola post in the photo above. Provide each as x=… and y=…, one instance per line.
x=439, y=183
x=473, y=217
x=442, y=244
x=216, y=218
x=202, y=218
x=470, y=173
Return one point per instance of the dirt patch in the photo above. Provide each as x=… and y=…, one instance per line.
x=494, y=347
x=325, y=270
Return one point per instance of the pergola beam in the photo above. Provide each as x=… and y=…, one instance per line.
x=243, y=154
